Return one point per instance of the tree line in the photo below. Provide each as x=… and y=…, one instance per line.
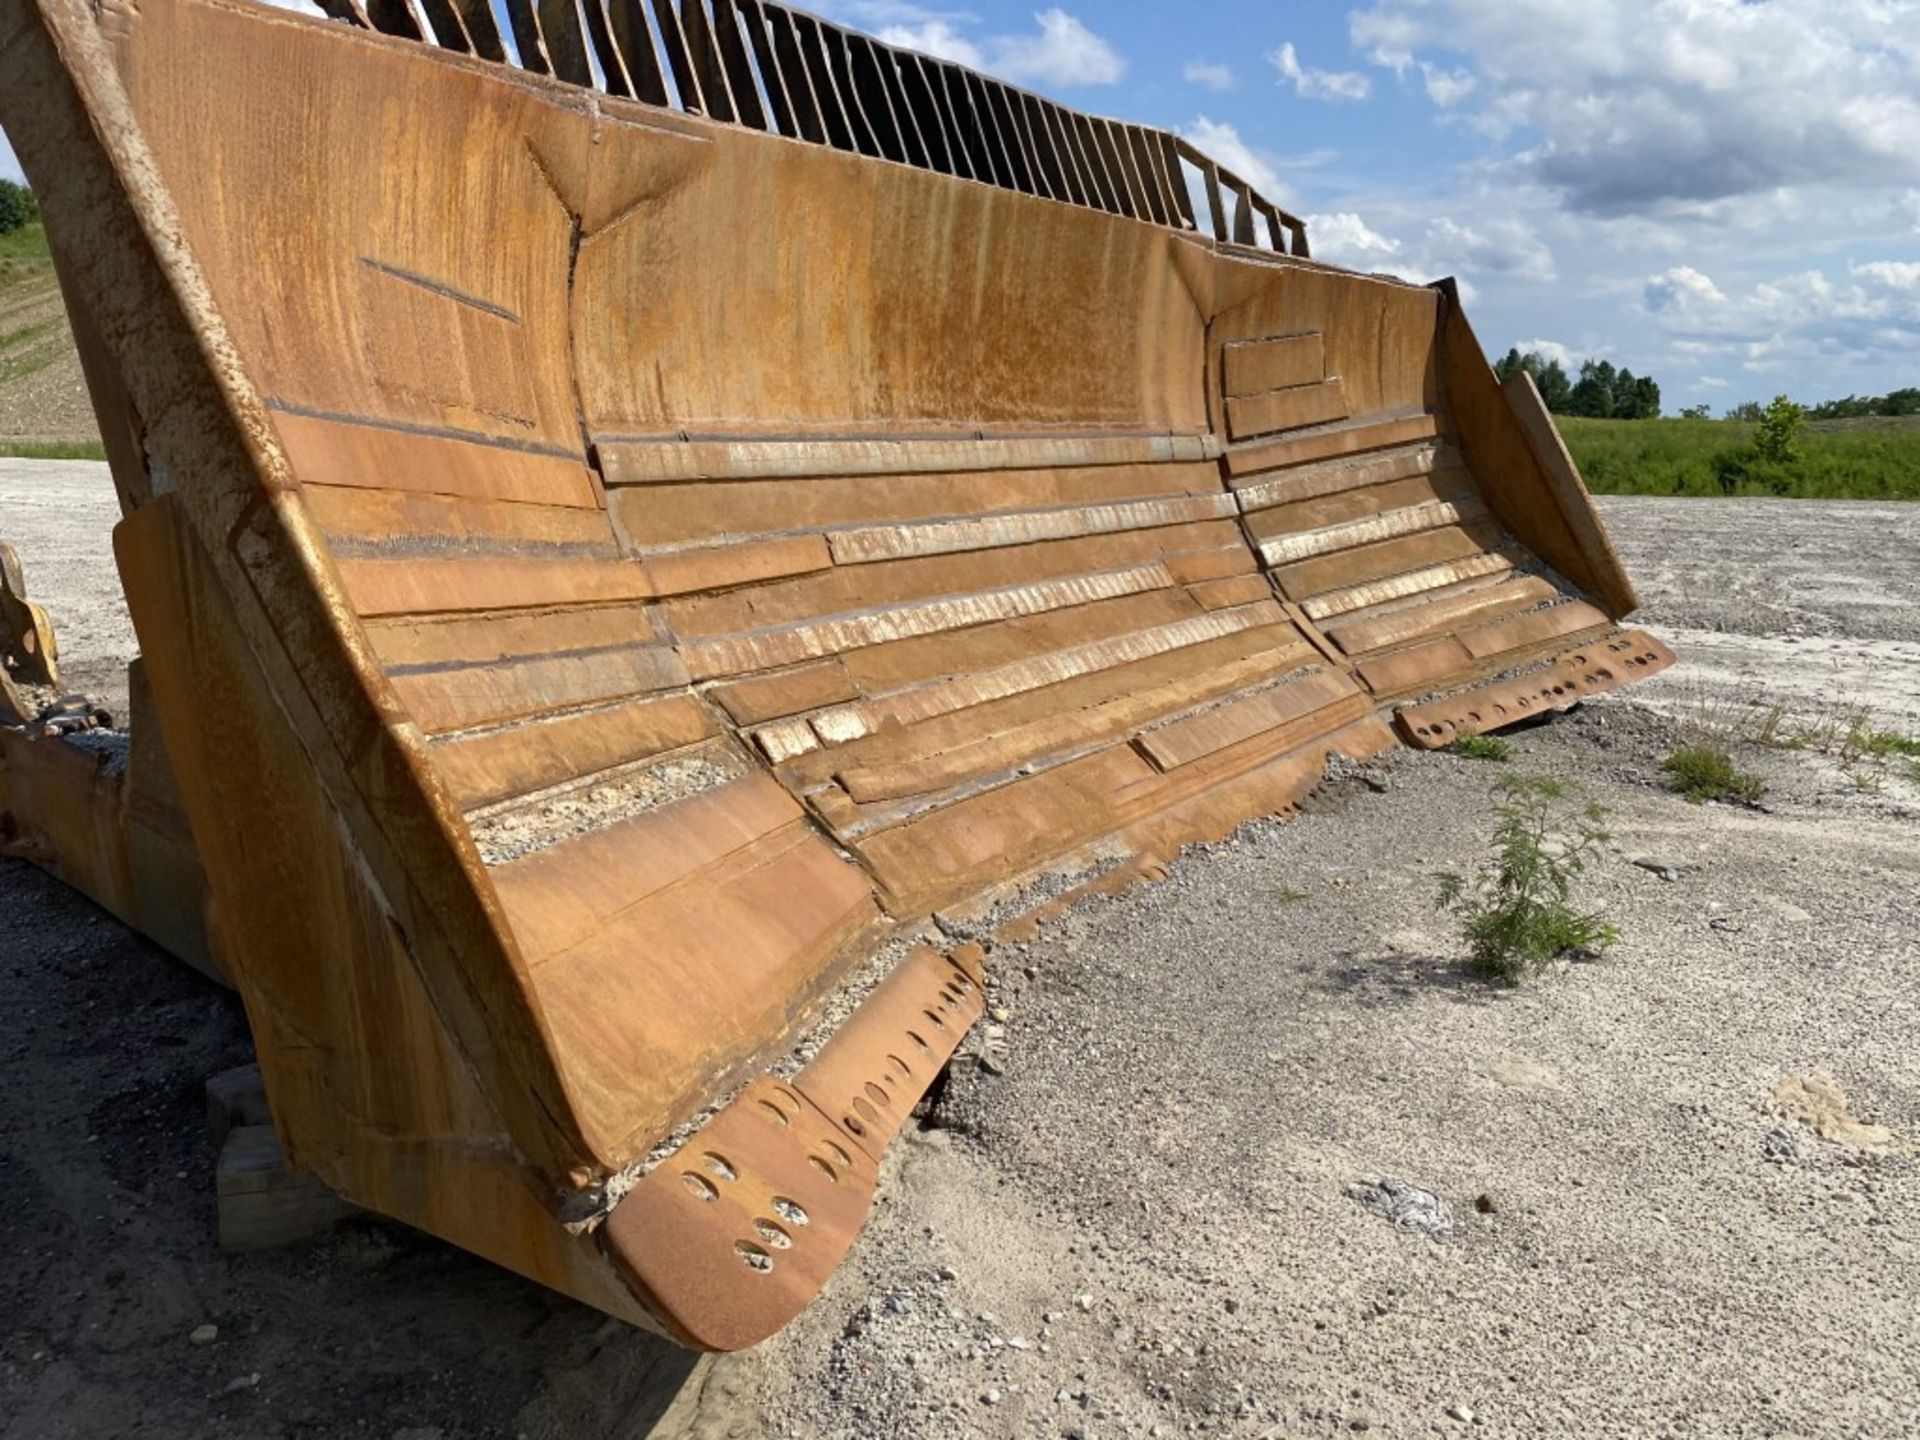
x=18, y=208
x=1600, y=393
x=1894, y=402
x=1604, y=393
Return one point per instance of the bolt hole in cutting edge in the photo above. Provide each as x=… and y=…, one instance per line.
x=699, y=1186
x=833, y=1177
x=773, y=1234
x=753, y=1257
x=720, y=1165
x=790, y=1211
x=775, y=1113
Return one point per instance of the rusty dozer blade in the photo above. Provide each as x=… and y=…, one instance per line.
x=624, y=521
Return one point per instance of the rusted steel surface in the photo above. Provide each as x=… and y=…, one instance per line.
x=29, y=654
x=1620, y=659
x=601, y=570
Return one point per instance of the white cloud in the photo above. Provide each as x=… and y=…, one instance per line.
x=1910, y=202
x=1627, y=105
x=1503, y=245
x=1782, y=320
x=1059, y=51
x=1447, y=87
x=1565, y=356
x=1064, y=52
x=1388, y=35
x=1685, y=294
x=1346, y=239
x=1222, y=142
x=1212, y=77
x=1331, y=85
x=937, y=38
x=1898, y=277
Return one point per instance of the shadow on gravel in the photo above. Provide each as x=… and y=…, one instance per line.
x=1390, y=979
x=107, y=1167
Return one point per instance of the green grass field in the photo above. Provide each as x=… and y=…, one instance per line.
x=52, y=450
x=26, y=265
x=1842, y=461
x=33, y=333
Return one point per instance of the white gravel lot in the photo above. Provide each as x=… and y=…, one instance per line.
x=1150, y=1221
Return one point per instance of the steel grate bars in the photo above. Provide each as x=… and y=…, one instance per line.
x=774, y=68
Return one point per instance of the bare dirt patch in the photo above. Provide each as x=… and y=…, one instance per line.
x=43, y=394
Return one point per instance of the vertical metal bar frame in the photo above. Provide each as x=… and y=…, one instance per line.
x=809, y=113
x=527, y=38
x=395, y=17
x=692, y=98
x=1141, y=153
x=738, y=66
x=1242, y=212
x=995, y=144
x=1176, y=180
x=1089, y=141
x=449, y=30
x=929, y=114
x=634, y=39
x=1064, y=154
x=912, y=141
x=833, y=47
x=703, y=54
x=950, y=86
x=566, y=41
x=870, y=89
x=1000, y=104
x=764, y=65
x=482, y=29
x=753, y=23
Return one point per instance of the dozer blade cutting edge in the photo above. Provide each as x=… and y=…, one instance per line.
x=628, y=512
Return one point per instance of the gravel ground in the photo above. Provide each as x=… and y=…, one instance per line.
x=1814, y=604
x=59, y=516
x=1261, y=1157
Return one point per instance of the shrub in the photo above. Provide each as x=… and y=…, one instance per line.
x=1517, y=914
x=1481, y=747
x=1771, y=461
x=1701, y=773
x=17, y=207
x=1777, y=440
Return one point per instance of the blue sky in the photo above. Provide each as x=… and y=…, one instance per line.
x=1724, y=194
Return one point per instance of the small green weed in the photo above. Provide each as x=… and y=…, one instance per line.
x=1701, y=773
x=1287, y=895
x=1870, y=782
x=1482, y=747
x=1517, y=914
x=1884, y=743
